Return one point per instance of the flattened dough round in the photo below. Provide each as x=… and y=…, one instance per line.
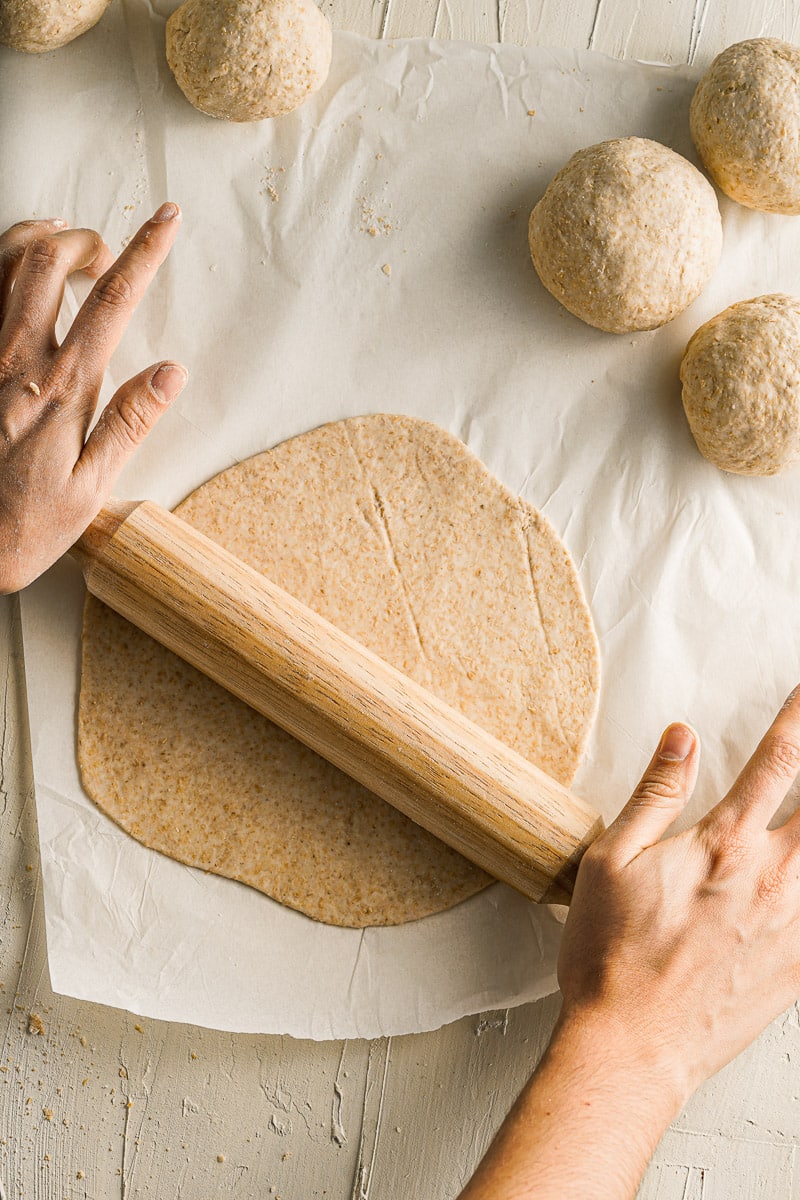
x=390, y=528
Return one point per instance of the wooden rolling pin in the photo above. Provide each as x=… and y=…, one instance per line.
x=374, y=723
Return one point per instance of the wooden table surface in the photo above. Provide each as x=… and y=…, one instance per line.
x=97, y=1103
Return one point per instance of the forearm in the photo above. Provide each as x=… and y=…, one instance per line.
x=586, y=1124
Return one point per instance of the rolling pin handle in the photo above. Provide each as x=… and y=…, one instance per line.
x=561, y=889
x=93, y=540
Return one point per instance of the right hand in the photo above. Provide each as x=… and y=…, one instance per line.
x=685, y=949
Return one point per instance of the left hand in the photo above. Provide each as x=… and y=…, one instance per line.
x=53, y=479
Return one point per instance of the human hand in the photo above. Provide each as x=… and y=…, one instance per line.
x=683, y=950
x=53, y=479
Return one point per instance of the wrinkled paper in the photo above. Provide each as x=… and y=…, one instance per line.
x=368, y=253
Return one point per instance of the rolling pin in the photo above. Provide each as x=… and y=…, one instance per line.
x=459, y=782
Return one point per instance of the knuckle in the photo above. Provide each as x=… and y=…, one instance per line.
x=132, y=414
x=728, y=847
x=9, y=363
x=783, y=756
x=114, y=291
x=598, y=862
x=43, y=254
x=770, y=886
x=659, y=789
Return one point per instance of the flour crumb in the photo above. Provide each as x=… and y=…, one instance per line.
x=387, y=268
x=35, y=1024
x=372, y=222
x=37, y=391
x=531, y=112
x=268, y=182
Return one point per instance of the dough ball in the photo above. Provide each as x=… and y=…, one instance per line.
x=627, y=235
x=38, y=25
x=243, y=60
x=741, y=386
x=745, y=120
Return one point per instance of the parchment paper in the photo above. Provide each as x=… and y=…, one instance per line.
x=277, y=300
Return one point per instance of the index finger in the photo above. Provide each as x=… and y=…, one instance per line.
x=107, y=310
x=767, y=776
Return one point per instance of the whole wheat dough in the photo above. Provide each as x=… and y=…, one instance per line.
x=626, y=235
x=741, y=386
x=395, y=532
x=745, y=121
x=36, y=26
x=244, y=60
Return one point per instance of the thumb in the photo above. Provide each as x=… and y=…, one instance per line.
x=662, y=794
x=129, y=416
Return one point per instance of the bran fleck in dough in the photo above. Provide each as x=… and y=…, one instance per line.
x=394, y=531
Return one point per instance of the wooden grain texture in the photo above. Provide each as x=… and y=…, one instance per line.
x=355, y=1121
x=337, y=697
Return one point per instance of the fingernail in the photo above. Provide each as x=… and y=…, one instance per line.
x=676, y=743
x=168, y=381
x=167, y=212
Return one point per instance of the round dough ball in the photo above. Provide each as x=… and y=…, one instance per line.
x=745, y=121
x=627, y=235
x=741, y=386
x=243, y=60
x=38, y=25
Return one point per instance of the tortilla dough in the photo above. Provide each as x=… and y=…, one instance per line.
x=745, y=121
x=390, y=528
x=626, y=235
x=741, y=386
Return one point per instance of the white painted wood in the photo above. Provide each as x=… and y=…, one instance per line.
x=139, y=1112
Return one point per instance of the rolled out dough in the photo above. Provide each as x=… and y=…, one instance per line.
x=390, y=528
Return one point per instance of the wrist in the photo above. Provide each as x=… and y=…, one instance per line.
x=588, y=1121
x=623, y=1055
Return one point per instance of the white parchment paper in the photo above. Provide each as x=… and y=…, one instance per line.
x=368, y=253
